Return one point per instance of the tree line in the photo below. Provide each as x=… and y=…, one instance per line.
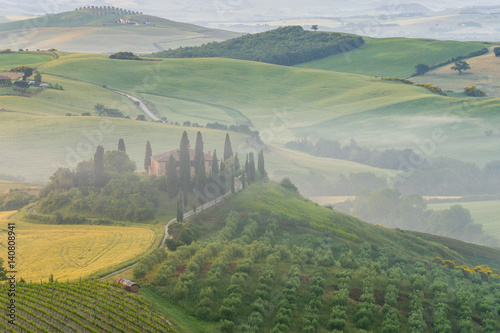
x=283, y=46
x=391, y=208
x=437, y=176
x=108, y=186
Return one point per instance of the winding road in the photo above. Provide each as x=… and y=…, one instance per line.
x=143, y=106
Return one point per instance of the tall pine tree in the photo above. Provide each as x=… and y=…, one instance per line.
x=228, y=150
x=236, y=162
x=184, y=162
x=251, y=168
x=121, y=146
x=147, y=156
x=172, y=179
x=99, y=178
x=260, y=165
x=215, y=164
x=180, y=209
x=201, y=179
x=198, y=153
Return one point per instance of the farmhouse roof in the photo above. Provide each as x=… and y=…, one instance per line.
x=163, y=157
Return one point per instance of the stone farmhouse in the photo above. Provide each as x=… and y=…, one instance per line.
x=159, y=162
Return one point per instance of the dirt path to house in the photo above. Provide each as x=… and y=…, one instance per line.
x=237, y=186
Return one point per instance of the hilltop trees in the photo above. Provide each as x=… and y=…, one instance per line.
x=198, y=154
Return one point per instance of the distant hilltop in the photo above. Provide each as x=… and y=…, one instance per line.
x=107, y=10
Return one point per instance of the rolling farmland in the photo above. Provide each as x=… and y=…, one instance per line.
x=74, y=251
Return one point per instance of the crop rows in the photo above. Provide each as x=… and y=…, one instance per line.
x=89, y=306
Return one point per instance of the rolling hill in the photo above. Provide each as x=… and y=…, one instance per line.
x=394, y=57
x=267, y=259
x=89, y=30
x=311, y=103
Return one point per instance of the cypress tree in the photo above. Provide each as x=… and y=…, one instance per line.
x=236, y=162
x=121, y=146
x=228, y=150
x=184, y=162
x=180, y=209
x=243, y=181
x=222, y=178
x=215, y=164
x=172, y=179
x=198, y=153
x=232, y=183
x=201, y=179
x=251, y=167
x=260, y=164
x=99, y=167
x=147, y=156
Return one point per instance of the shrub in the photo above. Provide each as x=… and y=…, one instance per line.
x=474, y=92
x=496, y=50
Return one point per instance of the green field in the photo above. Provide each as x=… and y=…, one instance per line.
x=394, y=57
x=486, y=213
x=10, y=60
x=483, y=74
x=313, y=103
x=81, y=31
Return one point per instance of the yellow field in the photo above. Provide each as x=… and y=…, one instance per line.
x=71, y=251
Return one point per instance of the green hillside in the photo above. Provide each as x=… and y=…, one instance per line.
x=394, y=57
x=315, y=101
x=283, y=46
x=92, y=31
x=312, y=103
x=266, y=259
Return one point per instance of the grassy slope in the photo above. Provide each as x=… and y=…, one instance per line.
x=395, y=57
x=78, y=31
x=486, y=213
x=483, y=74
x=316, y=101
x=312, y=103
x=270, y=197
x=10, y=60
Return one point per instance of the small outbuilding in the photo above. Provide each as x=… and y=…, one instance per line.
x=127, y=285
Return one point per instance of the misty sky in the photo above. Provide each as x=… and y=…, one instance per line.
x=230, y=10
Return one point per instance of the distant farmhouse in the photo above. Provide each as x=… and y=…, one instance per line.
x=159, y=162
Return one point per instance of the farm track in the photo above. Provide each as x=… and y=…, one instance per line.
x=199, y=209
x=143, y=106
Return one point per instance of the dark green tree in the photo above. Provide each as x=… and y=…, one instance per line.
x=260, y=164
x=184, y=162
x=215, y=164
x=243, y=180
x=198, y=153
x=172, y=178
x=232, y=183
x=314, y=27
x=228, y=150
x=201, y=178
x=121, y=145
x=421, y=69
x=147, y=156
x=99, y=179
x=38, y=77
x=180, y=209
x=27, y=73
x=236, y=165
x=251, y=168
x=460, y=66
x=116, y=161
